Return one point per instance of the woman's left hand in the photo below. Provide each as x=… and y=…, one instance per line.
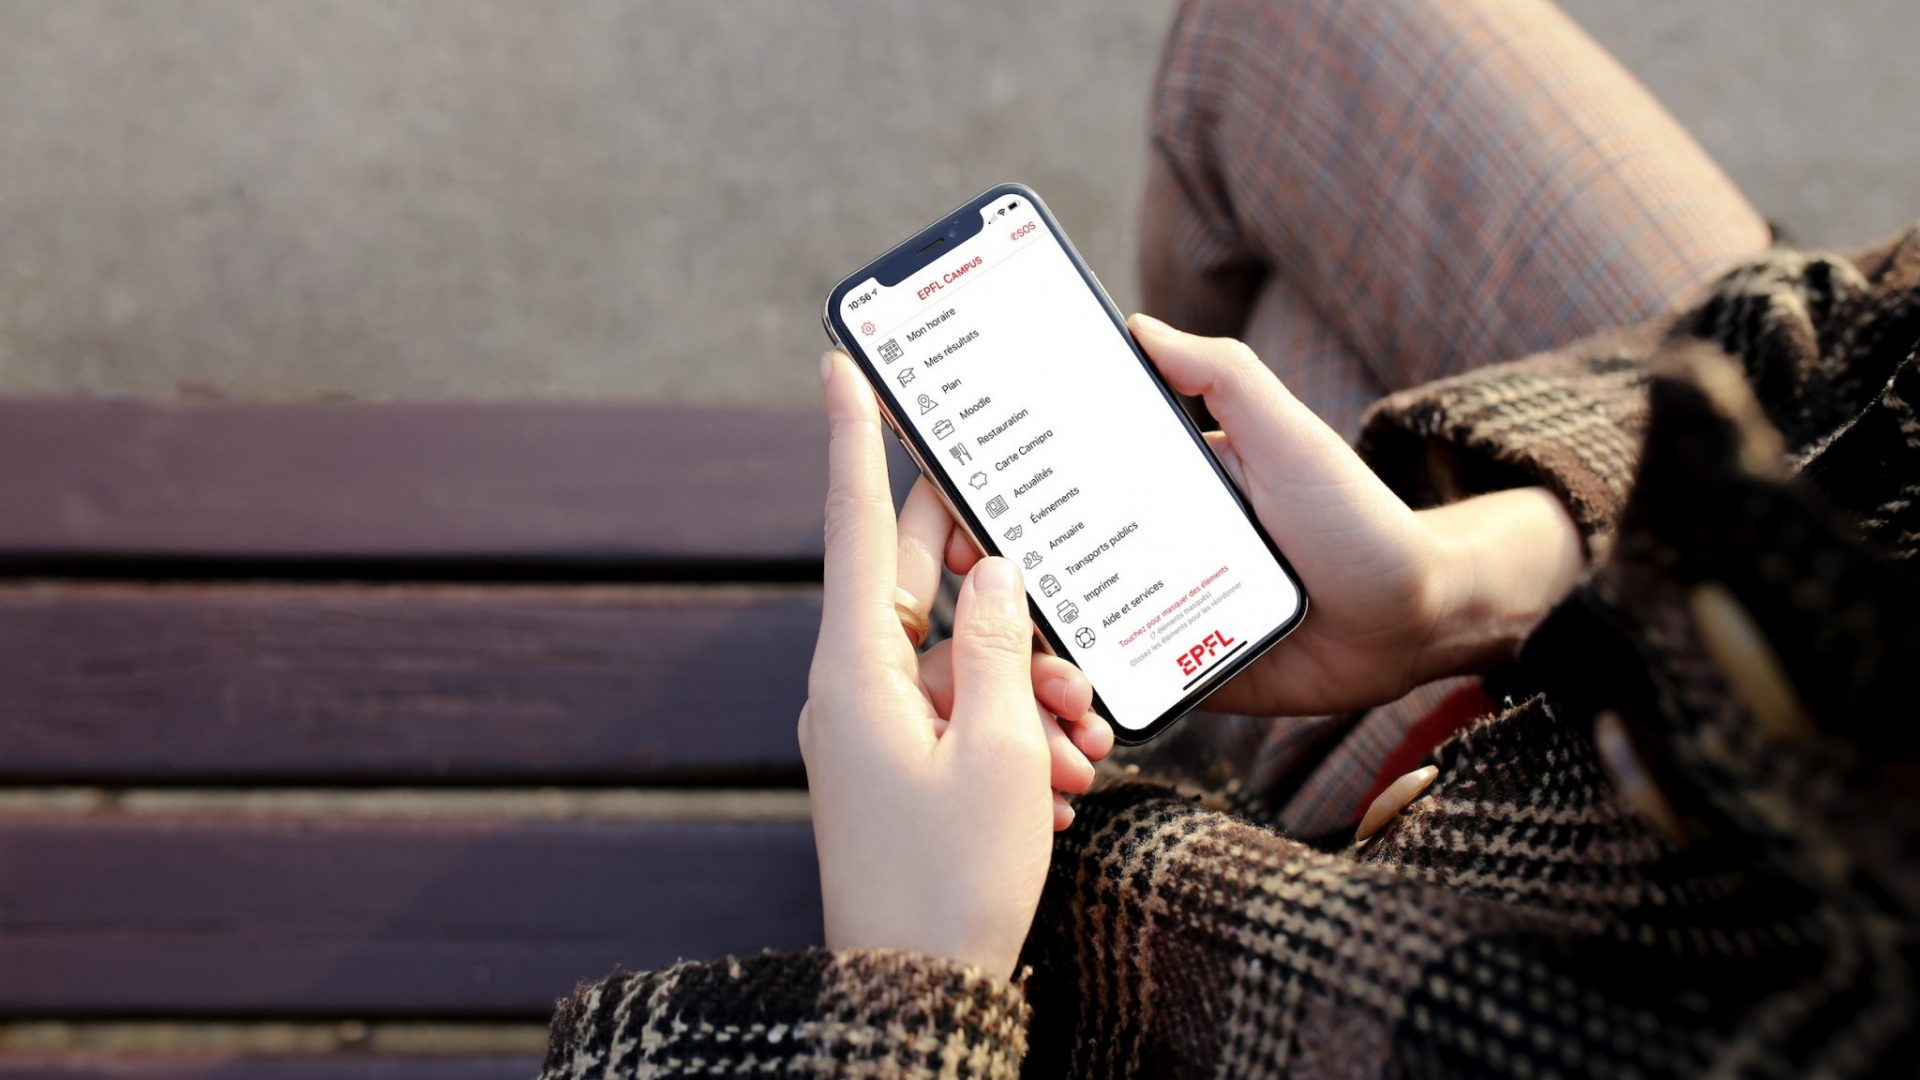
x=933, y=777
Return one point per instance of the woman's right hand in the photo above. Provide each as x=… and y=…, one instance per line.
x=1399, y=598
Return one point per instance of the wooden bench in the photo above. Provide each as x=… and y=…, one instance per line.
x=338, y=740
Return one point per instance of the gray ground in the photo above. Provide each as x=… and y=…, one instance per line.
x=489, y=198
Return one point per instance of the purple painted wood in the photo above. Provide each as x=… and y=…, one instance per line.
x=341, y=1067
x=553, y=483
x=135, y=916
x=117, y=682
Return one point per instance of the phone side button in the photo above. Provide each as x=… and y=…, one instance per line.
x=912, y=452
x=905, y=443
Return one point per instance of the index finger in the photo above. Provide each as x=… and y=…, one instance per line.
x=859, y=574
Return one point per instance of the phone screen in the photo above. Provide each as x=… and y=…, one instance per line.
x=1015, y=381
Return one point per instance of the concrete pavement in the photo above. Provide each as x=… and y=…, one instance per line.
x=483, y=198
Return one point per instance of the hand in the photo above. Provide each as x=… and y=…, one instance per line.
x=1399, y=598
x=932, y=778
x=928, y=536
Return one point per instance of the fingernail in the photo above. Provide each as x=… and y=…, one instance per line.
x=826, y=365
x=1147, y=323
x=996, y=577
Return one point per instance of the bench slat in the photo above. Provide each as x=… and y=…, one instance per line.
x=507, y=482
x=346, y=917
x=104, y=682
x=343, y=1067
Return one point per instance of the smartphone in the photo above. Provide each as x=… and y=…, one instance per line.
x=1012, y=380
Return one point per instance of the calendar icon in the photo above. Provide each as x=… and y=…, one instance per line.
x=890, y=350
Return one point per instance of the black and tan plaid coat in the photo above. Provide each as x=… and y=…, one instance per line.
x=1731, y=889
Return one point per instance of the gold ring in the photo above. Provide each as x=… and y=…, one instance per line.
x=911, y=620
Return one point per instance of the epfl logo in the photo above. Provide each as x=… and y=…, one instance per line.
x=1210, y=646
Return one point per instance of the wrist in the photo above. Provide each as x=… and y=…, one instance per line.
x=954, y=935
x=1502, y=561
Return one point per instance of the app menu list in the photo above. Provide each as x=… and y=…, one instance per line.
x=1064, y=450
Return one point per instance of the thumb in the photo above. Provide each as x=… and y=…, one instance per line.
x=1262, y=417
x=993, y=654
x=1283, y=446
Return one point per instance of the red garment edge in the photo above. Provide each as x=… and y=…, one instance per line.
x=1455, y=712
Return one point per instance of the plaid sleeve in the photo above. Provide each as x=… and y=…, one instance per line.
x=816, y=1013
x=1570, y=420
x=1815, y=334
